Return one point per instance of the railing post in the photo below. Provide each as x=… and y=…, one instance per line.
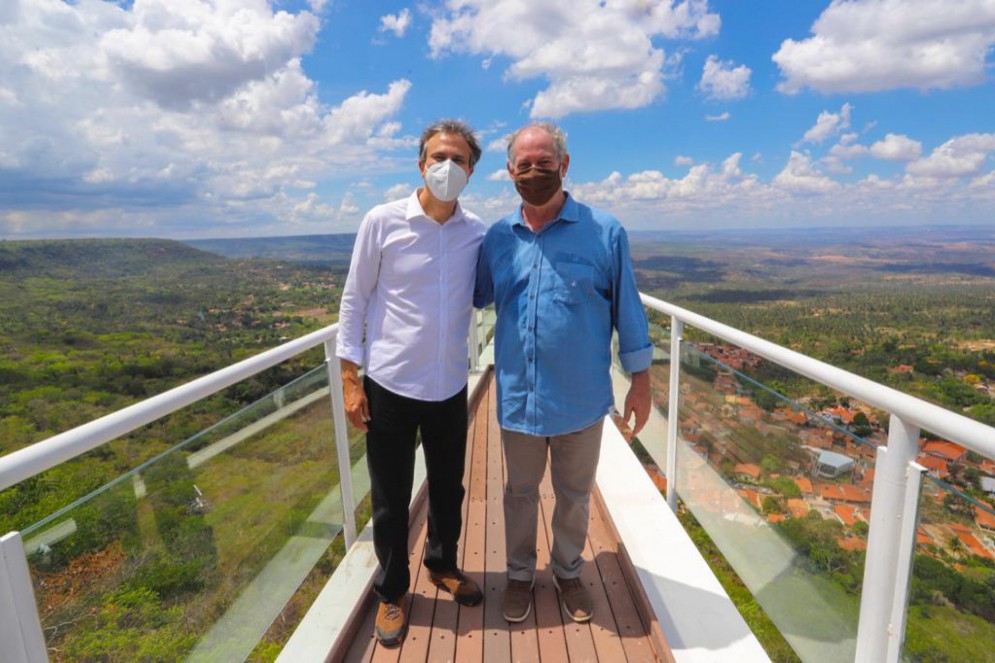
x=886, y=547
x=903, y=572
x=676, y=334
x=473, y=344
x=341, y=443
x=20, y=628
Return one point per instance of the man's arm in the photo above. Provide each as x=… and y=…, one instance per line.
x=356, y=407
x=637, y=401
x=635, y=349
x=483, y=287
x=364, y=270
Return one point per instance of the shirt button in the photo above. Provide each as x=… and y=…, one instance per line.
x=532, y=296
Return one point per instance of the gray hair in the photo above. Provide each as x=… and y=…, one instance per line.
x=457, y=127
x=555, y=132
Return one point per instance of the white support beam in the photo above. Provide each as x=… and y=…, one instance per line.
x=20, y=629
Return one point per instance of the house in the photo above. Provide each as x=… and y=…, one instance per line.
x=988, y=485
x=746, y=471
x=804, y=484
x=848, y=514
x=845, y=493
x=936, y=466
x=984, y=519
x=798, y=508
x=950, y=452
x=831, y=464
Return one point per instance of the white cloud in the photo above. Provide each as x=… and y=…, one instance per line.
x=801, y=176
x=397, y=24
x=896, y=147
x=161, y=111
x=681, y=160
x=721, y=117
x=958, y=157
x=724, y=80
x=499, y=175
x=872, y=45
x=595, y=55
x=398, y=191
x=497, y=145
x=828, y=124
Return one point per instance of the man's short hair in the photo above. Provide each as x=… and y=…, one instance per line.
x=556, y=133
x=457, y=127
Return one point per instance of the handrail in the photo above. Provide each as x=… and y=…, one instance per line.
x=36, y=458
x=972, y=434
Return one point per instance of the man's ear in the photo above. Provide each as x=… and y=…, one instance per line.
x=564, y=165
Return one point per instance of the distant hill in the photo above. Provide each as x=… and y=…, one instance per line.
x=328, y=250
x=72, y=258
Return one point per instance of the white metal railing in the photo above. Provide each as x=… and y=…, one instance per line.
x=19, y=621
x=897, y=479
x=20, y=626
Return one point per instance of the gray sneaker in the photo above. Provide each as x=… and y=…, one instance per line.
x=517, y=600
x=575, y=598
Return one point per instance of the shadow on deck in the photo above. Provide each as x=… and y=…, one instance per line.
x=442, y=630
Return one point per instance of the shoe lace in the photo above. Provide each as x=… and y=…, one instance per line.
x=392, y=611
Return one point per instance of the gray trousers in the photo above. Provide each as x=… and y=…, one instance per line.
x=573, y=460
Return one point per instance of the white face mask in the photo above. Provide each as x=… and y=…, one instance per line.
x=445, y=180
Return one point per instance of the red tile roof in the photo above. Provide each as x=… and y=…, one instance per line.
x=749, y=469
x=948, y=450
x=798, y=508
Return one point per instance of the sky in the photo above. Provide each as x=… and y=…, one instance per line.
x=247, y=118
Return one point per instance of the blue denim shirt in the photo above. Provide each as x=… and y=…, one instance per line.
x=558, y=294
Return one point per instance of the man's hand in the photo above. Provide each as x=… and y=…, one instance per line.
x=637, y=401
x=356, y=407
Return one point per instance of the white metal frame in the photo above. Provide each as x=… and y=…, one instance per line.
x=19, y=620
x=894, y=506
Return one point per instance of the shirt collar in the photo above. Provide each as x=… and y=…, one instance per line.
x=415, y=210
x=569, y=212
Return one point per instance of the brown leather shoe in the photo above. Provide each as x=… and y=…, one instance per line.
x=517, y=600
x=575, y=598
x=464, y=590
x=391, y=623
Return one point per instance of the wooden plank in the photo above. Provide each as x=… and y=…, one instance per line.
x=497, y=639
x=635, y=639
x=423, y=602
x=641, y=601
x=604, y=631
x=525, y=635
x=416, y=548
x=442, y=648
x=469, y=640
x=574, y=642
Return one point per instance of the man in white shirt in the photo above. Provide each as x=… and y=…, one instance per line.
x=410, y=286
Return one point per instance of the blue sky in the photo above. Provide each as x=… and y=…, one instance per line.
x=215, y=118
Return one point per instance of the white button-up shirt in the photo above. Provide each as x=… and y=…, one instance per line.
x=410, y=284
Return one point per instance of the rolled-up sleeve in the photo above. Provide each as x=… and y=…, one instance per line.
x=359, y=287
x=628, y=315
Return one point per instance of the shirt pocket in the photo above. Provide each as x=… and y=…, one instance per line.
x=574, y=282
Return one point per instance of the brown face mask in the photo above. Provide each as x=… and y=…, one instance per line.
x=536, y=186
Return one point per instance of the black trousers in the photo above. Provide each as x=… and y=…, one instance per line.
x=390, y=454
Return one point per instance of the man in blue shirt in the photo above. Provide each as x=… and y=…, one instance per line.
x=560, y=276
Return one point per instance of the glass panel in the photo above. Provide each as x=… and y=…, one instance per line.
x=782, y=487
x=193, y=554
x=951, y=613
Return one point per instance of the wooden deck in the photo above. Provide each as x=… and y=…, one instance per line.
x=439, y=629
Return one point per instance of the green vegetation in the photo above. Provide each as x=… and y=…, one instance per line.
x=767, y=633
